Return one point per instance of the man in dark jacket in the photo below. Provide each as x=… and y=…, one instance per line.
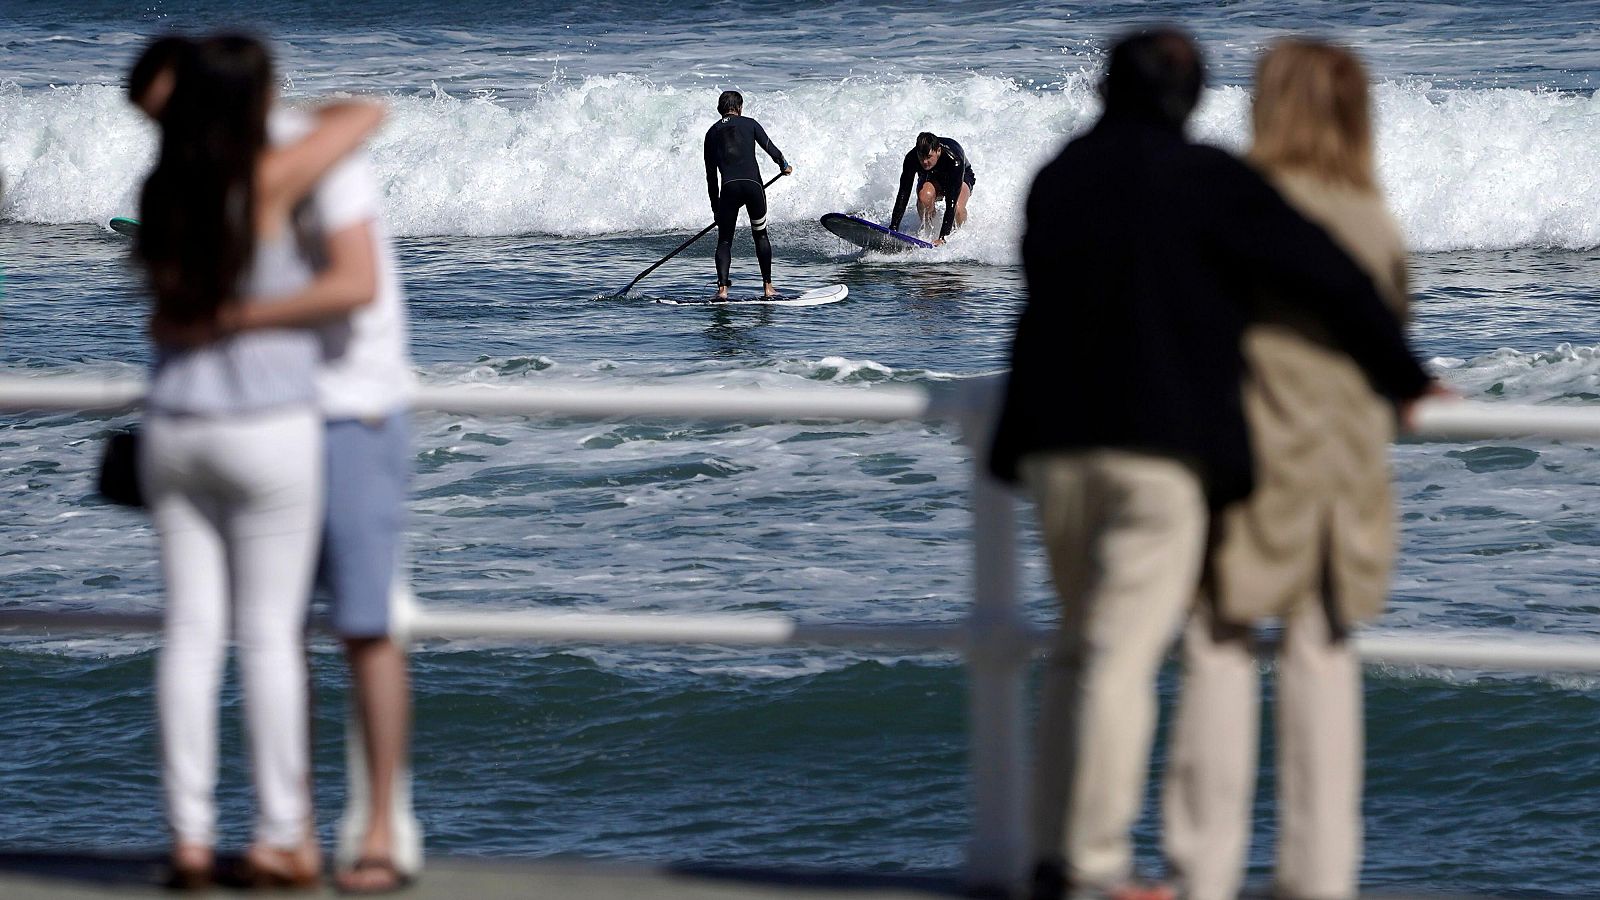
x=1123, y=417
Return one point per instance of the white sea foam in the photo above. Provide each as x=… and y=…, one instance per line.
x=1463, y=168
x=1564, y=372
x=776, y=374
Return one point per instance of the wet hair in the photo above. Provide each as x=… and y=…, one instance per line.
x=197, y=209
x=1312, y=114
x=159, y=56
x=730, y=102
x=927, y=142
x=1154, y=75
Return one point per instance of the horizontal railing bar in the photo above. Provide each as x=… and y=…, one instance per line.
x=523, y=625
x=1466, y=420
x=1524, y=654
x=1436, y=419
x=909, y=636
x=620, y=627
x=69, y=394
x=744, y=630
x=891, y=403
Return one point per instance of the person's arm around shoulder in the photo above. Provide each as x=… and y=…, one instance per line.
x=348, y=205
x=1249, y=222
x=288, y=173
x=349, y=280
x=1400, y=280
x=348, y=283
x=772, y=149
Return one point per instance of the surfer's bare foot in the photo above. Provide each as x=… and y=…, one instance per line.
x=769, y=290
x=722, y=292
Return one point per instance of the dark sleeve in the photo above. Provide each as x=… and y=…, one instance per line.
x=1258, y=229
x=908, y=170
x=771, y=148
x=711, y=172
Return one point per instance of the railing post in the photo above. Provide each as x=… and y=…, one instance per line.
x=997, y=660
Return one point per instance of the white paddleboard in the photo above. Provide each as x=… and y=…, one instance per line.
x=833, y=293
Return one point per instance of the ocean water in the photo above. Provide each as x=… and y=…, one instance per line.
x=535, y=159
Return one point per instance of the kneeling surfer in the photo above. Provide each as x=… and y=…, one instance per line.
x=731, y=151
x=943, y=173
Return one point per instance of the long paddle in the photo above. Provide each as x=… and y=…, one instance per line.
x=680, y=248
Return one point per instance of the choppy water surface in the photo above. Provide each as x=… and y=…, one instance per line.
x=535, y=162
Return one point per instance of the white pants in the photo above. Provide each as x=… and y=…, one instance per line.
x=237, y=502
x=1211, y=776
x=1125, y=533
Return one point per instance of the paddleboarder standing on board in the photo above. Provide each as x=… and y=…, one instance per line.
x=942, y=172
x=731, y=153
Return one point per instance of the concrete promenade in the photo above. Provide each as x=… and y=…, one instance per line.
x=89, y=876
x=69, y=876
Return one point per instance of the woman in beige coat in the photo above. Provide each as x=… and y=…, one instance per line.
x=1313, y=545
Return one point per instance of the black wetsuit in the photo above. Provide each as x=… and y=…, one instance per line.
x=731, y=151
x=948, y=174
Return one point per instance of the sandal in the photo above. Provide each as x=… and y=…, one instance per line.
x=395, y=882
x=299, y=869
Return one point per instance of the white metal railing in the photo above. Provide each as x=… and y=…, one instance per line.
x=995, y=640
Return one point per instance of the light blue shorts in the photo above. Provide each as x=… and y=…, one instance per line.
x=368, y=471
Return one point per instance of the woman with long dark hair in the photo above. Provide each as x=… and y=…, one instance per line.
x=232, y=455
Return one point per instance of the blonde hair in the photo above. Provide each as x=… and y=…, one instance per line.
x=1311, y=113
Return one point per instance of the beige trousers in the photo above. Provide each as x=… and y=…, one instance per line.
x=1125, y=534
x=1211, y=776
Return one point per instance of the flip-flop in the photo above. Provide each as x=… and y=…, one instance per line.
x=281, y=871
x=188, y=880
x=402, y=880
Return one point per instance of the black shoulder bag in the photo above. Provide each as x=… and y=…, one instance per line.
x=119, y=469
